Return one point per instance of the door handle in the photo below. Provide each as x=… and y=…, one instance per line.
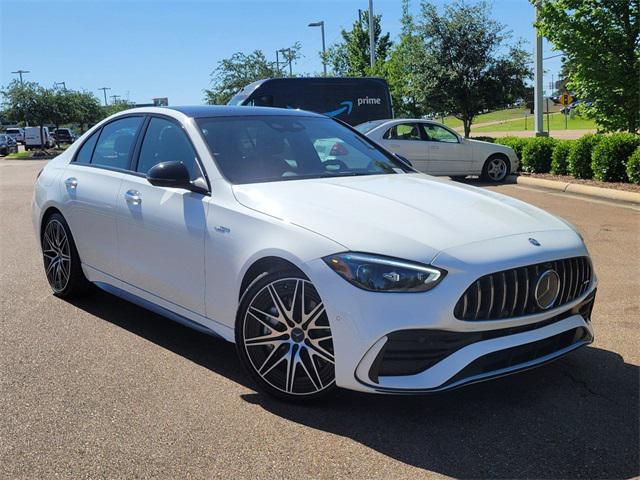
x=133, y=197
x=71, y=183
x=435, y=147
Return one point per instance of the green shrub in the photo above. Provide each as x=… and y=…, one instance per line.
x=517, y=143
x=536, y=155
x=633, y=166
x=609, y=157
x=579, y=158
x=559, y=156
x=484, y=139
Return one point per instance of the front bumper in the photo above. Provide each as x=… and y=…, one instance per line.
x=453, y=365
x=369, y=328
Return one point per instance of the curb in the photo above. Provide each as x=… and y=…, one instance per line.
x=598, y=192
x=17, y=159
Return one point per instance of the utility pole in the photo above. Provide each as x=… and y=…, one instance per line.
x=372, y=43
x=104, y=90
x=20, y=72
x=278, y=62
x=538, y=74
x=288, y=50
x=115, y=98
x=64, y=85
x=324, y=60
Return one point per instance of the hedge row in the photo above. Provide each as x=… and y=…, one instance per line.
x=610, y=158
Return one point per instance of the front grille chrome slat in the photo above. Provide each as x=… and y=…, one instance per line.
x=514, y=305
x=511, y=293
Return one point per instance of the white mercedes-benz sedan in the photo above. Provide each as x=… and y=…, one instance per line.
x=437, y=150
x=357, y=272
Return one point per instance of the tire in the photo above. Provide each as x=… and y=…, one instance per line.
x=285, y=344
x=496, y=169
x=60, y=257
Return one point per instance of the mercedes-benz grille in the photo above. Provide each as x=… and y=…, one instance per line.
x=525, y=290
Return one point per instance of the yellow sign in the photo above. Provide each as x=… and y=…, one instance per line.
x=566, y=99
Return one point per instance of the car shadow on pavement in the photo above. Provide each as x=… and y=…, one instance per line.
x=206, y=350
x=575, y=418
x=578, y=417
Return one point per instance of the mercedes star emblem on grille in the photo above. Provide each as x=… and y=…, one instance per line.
x=547, y=289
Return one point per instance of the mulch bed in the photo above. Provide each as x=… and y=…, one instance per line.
x=629, y=187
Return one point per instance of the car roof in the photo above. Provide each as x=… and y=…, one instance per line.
x=204, y=111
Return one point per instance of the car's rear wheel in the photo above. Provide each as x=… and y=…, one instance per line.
x=60, y=256
x=496, y=169
x=284, y=339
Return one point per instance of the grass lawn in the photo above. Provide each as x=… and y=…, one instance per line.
x=19, y=155
x=498, y=115
x=556, y=122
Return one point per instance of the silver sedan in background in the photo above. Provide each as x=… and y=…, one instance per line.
x=435, y=149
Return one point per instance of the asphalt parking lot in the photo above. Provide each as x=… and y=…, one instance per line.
x=99, y=388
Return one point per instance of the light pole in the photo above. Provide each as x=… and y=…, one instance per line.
x=104, y=90
x=324, y=61
x=538, y=73
x=20, y=72
x=372, y=43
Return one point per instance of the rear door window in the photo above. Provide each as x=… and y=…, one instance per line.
x=84, y=154
x=403, y=131
x=116, y=143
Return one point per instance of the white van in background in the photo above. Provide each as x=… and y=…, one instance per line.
x=32, y=138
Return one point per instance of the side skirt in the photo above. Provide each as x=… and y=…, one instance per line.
x=157, y=305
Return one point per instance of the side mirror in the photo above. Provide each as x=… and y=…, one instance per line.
x=170, y=174
x=404, y=159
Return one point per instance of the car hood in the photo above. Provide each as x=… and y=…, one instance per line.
x=413, y=216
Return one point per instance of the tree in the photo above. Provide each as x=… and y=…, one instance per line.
x=115, y=107
x=460, y=67
x=601, y=40
x=18, y=100
x=400, y=69
x=234, y=73
x=86, y=107
x=351, y=57
x=30, y=102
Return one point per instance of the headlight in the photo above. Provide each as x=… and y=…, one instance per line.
x=384, y=274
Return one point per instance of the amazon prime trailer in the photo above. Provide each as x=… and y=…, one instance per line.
x=352, y=100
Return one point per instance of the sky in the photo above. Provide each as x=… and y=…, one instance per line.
x=143, y=49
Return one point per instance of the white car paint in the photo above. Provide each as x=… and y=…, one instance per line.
x=457, y=158
x=185, y=254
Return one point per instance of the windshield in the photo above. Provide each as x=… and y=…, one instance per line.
x=367, y=126
x=238, y=98
x=275, y=148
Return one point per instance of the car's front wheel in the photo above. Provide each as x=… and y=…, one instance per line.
x=496, y=169
x=61, y=261
x=284, y=339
